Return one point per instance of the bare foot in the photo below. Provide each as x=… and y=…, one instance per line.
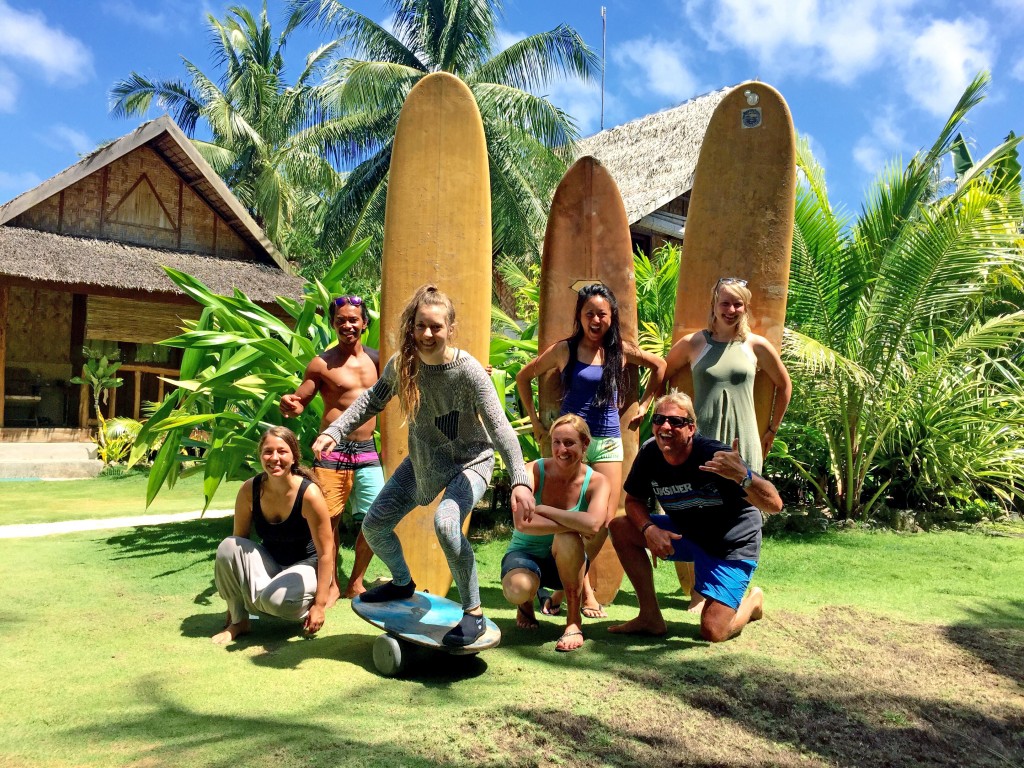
x=571, y=639
x=354, y=589
x=525, y=617
x=640, y=626
x=233, y=631
x=333, y=594
x=757, y=596
x=697, y=602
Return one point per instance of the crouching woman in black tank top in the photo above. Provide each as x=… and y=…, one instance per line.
x=288, y=574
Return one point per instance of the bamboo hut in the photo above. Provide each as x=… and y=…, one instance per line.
x=653, y=159
x=80, y=266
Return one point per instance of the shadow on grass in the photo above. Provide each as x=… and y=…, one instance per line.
x=169, y=734
x=199, y=537
x=723, y=708
x=995, y=635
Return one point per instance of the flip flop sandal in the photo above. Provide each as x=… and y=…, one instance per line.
x=547, y=607
x=574, y=633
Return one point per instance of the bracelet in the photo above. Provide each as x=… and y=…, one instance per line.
x=645, y=526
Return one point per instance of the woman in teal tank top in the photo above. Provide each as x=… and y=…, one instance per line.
x=547, y=548
x=724, y=359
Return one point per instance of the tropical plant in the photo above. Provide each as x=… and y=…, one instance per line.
x=267, y=135
x=98, y=373
x=527, y=135
x=238, y=360
x=118, y=438
x=905, y=354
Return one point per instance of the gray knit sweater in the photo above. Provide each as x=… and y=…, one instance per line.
x=459, y=422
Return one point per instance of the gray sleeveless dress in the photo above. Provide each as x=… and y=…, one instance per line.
x=723, y=388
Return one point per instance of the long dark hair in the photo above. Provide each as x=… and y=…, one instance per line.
x=612, y=372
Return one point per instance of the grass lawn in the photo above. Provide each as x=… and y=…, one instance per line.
x=27, y=501
x=876, y=649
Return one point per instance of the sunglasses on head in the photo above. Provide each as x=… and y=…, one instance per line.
x=731, y=281
x=676, y=422
x=355, y=301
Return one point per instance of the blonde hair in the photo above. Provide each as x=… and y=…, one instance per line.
x=743, y=329
x=679, y=399
x=408, y=363
x=577, y=423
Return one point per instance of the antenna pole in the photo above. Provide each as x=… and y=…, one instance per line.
x=604, y=45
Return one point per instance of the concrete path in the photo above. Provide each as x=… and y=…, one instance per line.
x=28, y=530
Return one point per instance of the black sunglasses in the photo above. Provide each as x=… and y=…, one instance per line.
x=676, y=422
x=355, y=301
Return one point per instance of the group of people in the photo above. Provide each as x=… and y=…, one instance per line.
x=694, y=493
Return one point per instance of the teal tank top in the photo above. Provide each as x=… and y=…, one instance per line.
x=540, y=546
x=723, y=396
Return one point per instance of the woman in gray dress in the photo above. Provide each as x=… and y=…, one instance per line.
x=724, y=359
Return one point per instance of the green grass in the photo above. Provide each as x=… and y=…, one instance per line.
x=876, y=648
x=103, y=497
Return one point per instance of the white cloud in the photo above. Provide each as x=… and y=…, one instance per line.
x=8, y=89
x=943, y=59
x=874, y=150
x=18, y=182
x=130, y=13
x=1018, y=69
x=28, y=38
x=581, y=100
x=65, y=137
x=503, y=38
x=655, y=66
x=835, y=39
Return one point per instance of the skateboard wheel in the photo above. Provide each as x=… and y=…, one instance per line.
x=389, y=656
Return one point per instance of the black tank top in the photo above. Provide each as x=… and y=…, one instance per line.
x=289, y=541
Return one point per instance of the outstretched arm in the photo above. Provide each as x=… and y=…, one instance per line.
x=657, y=367
x=295, y=403
x=554, y=357
x=366, y=406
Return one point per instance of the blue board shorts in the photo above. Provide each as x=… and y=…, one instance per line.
x=723, y=580
x=542, y=565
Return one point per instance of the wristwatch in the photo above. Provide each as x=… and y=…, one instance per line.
x=748, y=480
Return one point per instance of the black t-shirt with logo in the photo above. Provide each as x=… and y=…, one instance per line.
x=711, y=511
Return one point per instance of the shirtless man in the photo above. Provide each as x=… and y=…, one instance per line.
x=340, y=374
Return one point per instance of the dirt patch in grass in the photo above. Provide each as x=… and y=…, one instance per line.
x=834, y=688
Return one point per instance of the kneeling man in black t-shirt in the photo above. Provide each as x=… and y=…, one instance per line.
x=711, y=501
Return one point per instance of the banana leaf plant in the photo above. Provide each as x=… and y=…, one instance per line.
x=238, y=359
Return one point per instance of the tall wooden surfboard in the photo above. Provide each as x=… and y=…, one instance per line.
x=740, y=221
x=437, y=229
x=587, y=241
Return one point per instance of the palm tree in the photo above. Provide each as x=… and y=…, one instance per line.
x=909, y=385
x=268, y=137
x=527, y=135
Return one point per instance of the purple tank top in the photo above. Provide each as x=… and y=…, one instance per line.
x=602, y=421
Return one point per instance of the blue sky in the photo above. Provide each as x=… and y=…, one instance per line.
x=866, y=81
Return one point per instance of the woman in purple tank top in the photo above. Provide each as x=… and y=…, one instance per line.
x=591, y=363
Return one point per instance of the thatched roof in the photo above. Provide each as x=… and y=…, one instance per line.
x=653, y=158
x=45, y=257
x=165, y=138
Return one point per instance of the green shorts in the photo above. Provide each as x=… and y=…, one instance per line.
x=604, y=449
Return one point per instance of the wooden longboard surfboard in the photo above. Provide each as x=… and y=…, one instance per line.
x=587, y=241
x=740, y=221
x=437, y=229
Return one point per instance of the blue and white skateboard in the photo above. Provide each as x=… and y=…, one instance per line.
x=421, y=620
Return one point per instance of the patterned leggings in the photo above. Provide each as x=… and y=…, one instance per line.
x=394, y=502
